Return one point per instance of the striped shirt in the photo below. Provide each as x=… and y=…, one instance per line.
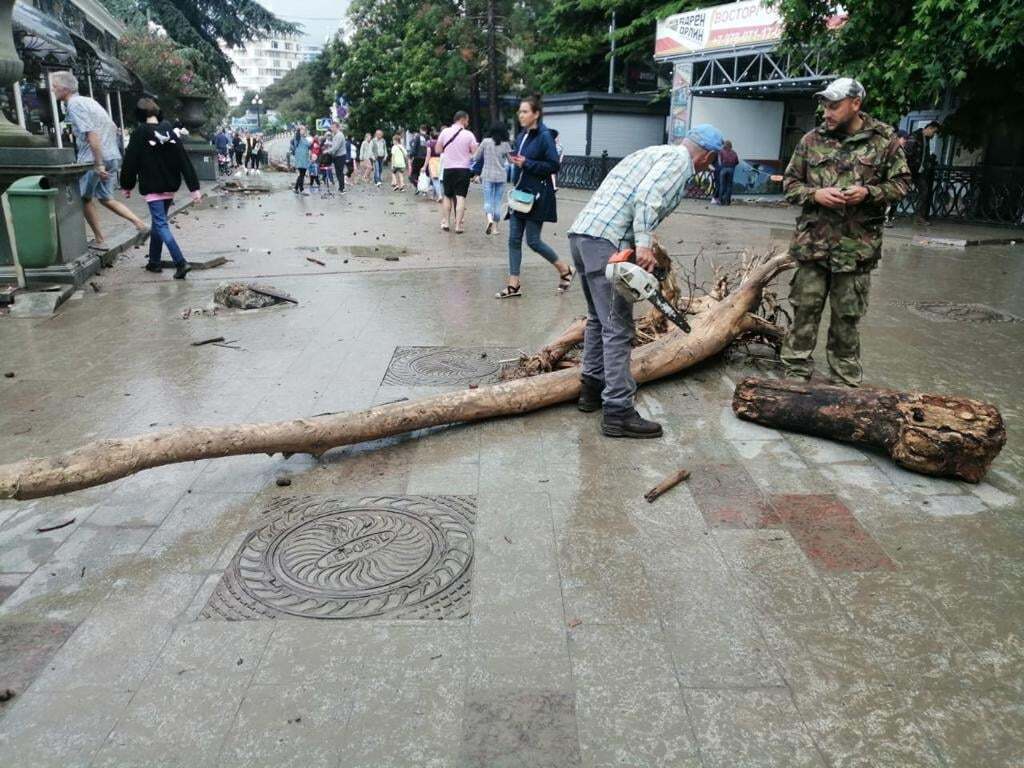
x=636, y=195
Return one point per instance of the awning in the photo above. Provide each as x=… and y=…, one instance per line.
x=114, y=74
x=106, y=71
x=42, y=37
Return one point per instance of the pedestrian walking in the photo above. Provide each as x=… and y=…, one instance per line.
x=494, y=150
x=916, y=151
x=418, y=153
x=96, y=144
x=456, y=145
x=380, y=153
x=725, y=167
x=253, y=150
x=301, y=160
x=314, y=164
x=338, y=149
x=634, y=198
x=433, y=169
x=222, y=143
x=366, y=158
x=351, y=151
x=843, y=174
x=238, y=148
x=532, y=199
x=327, y=173
x=156, y=159
x=399, y=162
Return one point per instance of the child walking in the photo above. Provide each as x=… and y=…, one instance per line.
x=327, y=172
x=399, y=161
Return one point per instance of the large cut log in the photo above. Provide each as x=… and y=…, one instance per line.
x=930, y=434
x=106, y=460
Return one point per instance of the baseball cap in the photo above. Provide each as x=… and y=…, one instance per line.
x=842, y=88
x=706, y=136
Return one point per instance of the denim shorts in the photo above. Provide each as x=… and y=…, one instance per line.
x=92, y=186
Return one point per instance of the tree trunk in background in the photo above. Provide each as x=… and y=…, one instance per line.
x=492, y=65
x=930, y=434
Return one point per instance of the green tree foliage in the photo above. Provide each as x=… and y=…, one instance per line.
x=571, y=46
x=908, y=52
x=200, y=25
x=407, y=62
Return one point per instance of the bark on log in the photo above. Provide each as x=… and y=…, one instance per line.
x=930, y=434
x=106, y=460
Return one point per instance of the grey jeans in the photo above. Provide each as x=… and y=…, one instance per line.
x=609, y=336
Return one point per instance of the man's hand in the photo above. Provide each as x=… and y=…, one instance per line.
x=102, y=172
x=830, y=197
x=197, y=195
x=855, y=195
x=645, y=258
x=517, y=160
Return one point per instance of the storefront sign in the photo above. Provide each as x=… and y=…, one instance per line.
x=721, y=26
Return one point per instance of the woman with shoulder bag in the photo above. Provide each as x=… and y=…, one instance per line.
x=531, y=201
x=493, y=151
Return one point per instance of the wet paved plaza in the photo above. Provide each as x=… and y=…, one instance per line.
x=497, y=594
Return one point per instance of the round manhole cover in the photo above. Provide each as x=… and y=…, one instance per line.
x=442, y=366
x=398, y=556
x=959, y=312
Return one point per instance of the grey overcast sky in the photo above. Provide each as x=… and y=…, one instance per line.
x=318, y=18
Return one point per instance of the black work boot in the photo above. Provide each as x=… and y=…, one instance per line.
x=151, y=267
x=628, y=424
x=590, y=394
x=182, y=270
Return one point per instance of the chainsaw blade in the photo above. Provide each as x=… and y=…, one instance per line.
x=673, y=314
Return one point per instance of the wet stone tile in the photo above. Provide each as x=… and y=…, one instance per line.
x=728, y=497
x=509, y=729
x=829, y=534
x=25, y=648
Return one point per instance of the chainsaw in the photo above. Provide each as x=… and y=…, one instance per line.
x=634, y=284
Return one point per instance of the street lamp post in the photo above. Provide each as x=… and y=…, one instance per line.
x=257, y=102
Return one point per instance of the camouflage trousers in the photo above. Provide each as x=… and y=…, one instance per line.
x=847, y=293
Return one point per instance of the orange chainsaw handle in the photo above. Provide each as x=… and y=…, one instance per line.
x=626, y=254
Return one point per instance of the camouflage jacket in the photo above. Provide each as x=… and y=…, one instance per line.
x=849, y=239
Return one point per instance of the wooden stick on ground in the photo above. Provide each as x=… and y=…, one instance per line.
x=667, y=484
x=105, y=460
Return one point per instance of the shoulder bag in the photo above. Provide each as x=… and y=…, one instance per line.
x=520, y=200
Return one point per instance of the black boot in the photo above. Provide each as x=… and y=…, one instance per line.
x=590, y=394
x=628, y=424
x=151, y=267
x=182, y=270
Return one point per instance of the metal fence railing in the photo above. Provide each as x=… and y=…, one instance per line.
x=983, y=193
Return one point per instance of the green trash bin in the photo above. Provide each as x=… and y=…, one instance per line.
x=34, y=212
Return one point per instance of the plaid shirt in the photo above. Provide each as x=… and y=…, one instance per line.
x=636, y=195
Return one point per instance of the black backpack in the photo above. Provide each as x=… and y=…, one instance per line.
x=419, y=147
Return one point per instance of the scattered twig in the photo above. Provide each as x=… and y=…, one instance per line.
x=214, y=340
x=668, y=483
x=94, y=285
x=57, y=527
x=316, y=261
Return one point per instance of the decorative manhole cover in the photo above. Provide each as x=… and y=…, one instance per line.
x=323, y=558
x=444, y=366
x=956, y=312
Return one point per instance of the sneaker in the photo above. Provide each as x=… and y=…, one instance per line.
x=152, y=267
x=181, y=271
x=590, y=394
x=629, y=424
x=378, y=183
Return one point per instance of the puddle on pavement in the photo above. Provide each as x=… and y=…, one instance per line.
x=386, y=252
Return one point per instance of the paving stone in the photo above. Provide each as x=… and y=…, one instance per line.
x=995, y=498
x=173, y=723
x=951, y=506
x=629, y=704
x=728, y=497
x=304, y=726
x=514, y=728
x=829, y=534
x=511, y=655
x=751, y=727
x=735, y=428
x=26, y=648
x=817, y=450
x=59, y=730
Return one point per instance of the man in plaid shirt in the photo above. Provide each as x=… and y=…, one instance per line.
x=631, y=202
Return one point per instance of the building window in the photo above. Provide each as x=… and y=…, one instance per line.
x=273, y=44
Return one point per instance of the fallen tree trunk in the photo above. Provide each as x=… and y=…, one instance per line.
x=106, y=460
x=930, y=434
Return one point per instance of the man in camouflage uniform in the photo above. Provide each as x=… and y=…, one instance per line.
x=844, y=174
